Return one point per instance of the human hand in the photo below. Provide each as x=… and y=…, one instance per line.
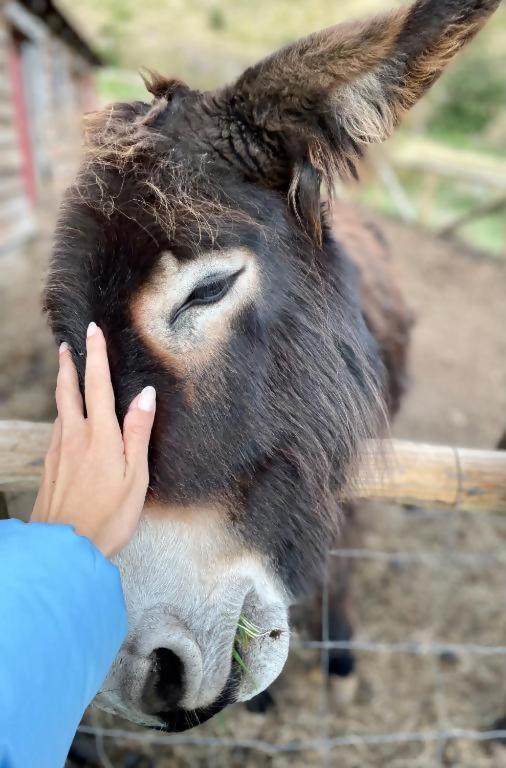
x=95, y=478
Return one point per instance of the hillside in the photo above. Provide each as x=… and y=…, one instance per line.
x=209, y=41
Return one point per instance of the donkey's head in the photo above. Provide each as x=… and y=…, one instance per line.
x=195, y=237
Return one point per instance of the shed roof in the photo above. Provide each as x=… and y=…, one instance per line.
x=62, y=27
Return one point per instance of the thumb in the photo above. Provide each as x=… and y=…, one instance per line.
x=137, y=430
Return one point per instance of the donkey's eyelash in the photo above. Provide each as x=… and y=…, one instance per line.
x=210, y=291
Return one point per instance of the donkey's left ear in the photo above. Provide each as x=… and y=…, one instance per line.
x=302, y=115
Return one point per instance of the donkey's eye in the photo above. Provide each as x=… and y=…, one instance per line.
x=213, y=289
x=208, y=293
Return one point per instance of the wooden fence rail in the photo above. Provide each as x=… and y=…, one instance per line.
x=434, y=162
x=400, y=471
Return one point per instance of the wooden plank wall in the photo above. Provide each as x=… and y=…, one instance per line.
x=66, y=74
x=17, y=222
x=61, y=95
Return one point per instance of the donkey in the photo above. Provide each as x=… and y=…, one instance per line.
x=195, y=236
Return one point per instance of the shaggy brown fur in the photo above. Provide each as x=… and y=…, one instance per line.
x=386, y=312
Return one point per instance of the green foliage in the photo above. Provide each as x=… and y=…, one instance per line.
x=118, y=85
x=109, y=44
x=471, y=96
x=452, y=200
x=217, y=18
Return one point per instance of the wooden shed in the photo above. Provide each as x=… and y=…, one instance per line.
x=46, y=84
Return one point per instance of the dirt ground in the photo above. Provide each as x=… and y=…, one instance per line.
x=457, y=396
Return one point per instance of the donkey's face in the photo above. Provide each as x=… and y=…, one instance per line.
x=194, y=237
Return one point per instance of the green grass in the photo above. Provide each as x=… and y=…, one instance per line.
x=115, y=84
x=451, y=200
x=246, y=633
x=488, y=233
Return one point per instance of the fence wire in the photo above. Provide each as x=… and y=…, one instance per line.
x=270, y=748
x=439, y=737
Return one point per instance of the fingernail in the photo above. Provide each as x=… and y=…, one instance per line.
x=92, y=329
x=147, y=399
x=63, y=347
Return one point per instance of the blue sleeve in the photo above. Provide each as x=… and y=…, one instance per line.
x=62, y=621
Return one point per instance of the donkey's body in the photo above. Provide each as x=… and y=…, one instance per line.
x=195, y=236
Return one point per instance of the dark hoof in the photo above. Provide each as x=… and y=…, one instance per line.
x=500, y=725
x=341, y=664
x=132, y=760
x=261, y=704
x=83, y=753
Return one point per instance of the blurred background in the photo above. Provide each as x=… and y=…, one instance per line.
x=438, y=193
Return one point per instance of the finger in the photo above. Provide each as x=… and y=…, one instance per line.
x=68, y=397
x=137, y=431
x=98, y=391
x=51, y=461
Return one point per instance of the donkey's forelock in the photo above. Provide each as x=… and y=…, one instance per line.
x=136, y=147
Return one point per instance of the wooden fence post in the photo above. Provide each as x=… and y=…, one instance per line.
x=399, y=471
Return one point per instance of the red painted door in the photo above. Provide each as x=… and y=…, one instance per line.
x=22, y=116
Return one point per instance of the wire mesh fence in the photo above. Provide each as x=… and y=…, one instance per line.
x=467, y=567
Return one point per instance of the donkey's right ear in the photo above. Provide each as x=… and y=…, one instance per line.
x=302, y=115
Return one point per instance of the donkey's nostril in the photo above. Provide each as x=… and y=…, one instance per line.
x=170, y=671
x=163, y=690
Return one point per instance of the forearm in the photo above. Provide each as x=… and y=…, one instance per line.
x=62, y=619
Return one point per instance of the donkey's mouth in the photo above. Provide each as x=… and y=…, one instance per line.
x=152, y=689
x=240, y=681
x=179, y=720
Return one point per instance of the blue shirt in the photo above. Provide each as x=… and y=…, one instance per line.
x=62, y=621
